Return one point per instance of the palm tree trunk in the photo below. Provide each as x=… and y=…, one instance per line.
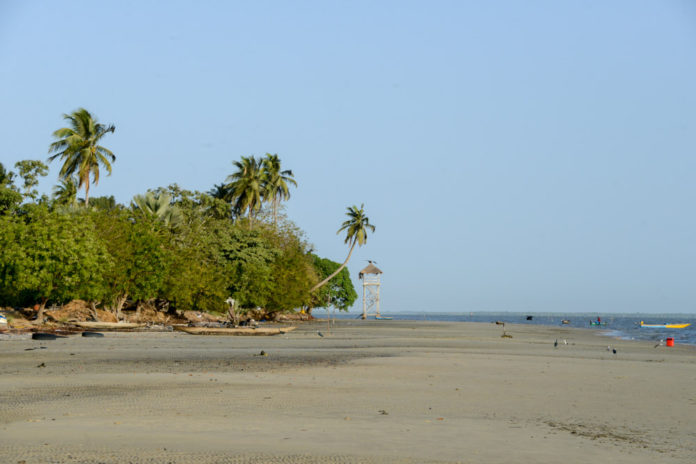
x=340, y=268
x=87, y=191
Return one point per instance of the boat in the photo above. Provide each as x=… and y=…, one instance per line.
x=529, y=318
x=598, y=323
x=664, y=326
x=383, y=318
x=565, y=321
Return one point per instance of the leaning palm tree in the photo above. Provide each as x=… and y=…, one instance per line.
x=65, y=192
x=356, y=228
x=246, y=186
x=276, y=182
x=78, y=147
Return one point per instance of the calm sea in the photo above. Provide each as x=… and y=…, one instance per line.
x=626, y=326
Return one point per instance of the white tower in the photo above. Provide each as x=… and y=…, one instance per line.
x=370, y=278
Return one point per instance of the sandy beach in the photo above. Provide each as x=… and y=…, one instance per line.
x=367, y=392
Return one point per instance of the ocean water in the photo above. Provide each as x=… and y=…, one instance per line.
x=625, y=326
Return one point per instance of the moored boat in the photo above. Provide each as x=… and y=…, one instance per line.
x=664, y=326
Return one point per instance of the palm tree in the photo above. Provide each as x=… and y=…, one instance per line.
x=158, y=206
x=65, y=193
x=246, y=186
x=276, y=182
x=356, y=228
x=78, y=147
x=220, y=192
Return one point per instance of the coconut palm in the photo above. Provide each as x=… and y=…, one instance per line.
x=159, y=207
x=220, y=192
x=246, y=186
x=356, y=228
x=276, y=182
x=65, y=192
x=78, y=147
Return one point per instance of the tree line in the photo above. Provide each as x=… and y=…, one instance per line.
x=170, y=247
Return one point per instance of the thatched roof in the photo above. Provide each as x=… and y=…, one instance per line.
x=370, y=269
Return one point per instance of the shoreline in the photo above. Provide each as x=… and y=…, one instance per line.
x=366, y=391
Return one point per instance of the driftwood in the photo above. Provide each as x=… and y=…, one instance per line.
x=108, y=325
x=234, y=330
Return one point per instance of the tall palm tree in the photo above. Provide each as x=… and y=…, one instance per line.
x=356, y=228
x=246, y=186
x=78, y=147
x=276, y=182
x=65, y=192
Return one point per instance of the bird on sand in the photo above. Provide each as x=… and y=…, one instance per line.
x=320, y=334
x=660, y=343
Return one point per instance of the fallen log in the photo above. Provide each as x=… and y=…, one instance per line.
x=109, y=325
x=234, y=330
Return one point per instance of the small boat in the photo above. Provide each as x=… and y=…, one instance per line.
x=664, y=326
x=598, y=323
x=565, y=321
x=383, y=318
x=529, y=318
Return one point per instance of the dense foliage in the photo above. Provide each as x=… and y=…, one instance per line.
x=171, y=247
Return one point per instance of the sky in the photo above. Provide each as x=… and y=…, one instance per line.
x=513, y=156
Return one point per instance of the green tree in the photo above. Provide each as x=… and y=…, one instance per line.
x=30, y=171
x=11, y=256
x=246, y=186
x=61, y=259
x=276, y=182
x=356, y=228
x=138, y=252
x=104, y=203
x=78, y=148
x=197, y=277
x=339, y=292
x=6, y=177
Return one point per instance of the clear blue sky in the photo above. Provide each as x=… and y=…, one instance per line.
x=523, y=156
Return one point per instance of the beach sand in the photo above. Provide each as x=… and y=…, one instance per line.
x=367, y=392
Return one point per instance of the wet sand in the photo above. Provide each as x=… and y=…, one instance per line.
x=368, y=392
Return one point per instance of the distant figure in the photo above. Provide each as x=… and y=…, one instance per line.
x=320, y=334
x=555, y=344
x=599, y=319
x=614, y=351
x=608, y=347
